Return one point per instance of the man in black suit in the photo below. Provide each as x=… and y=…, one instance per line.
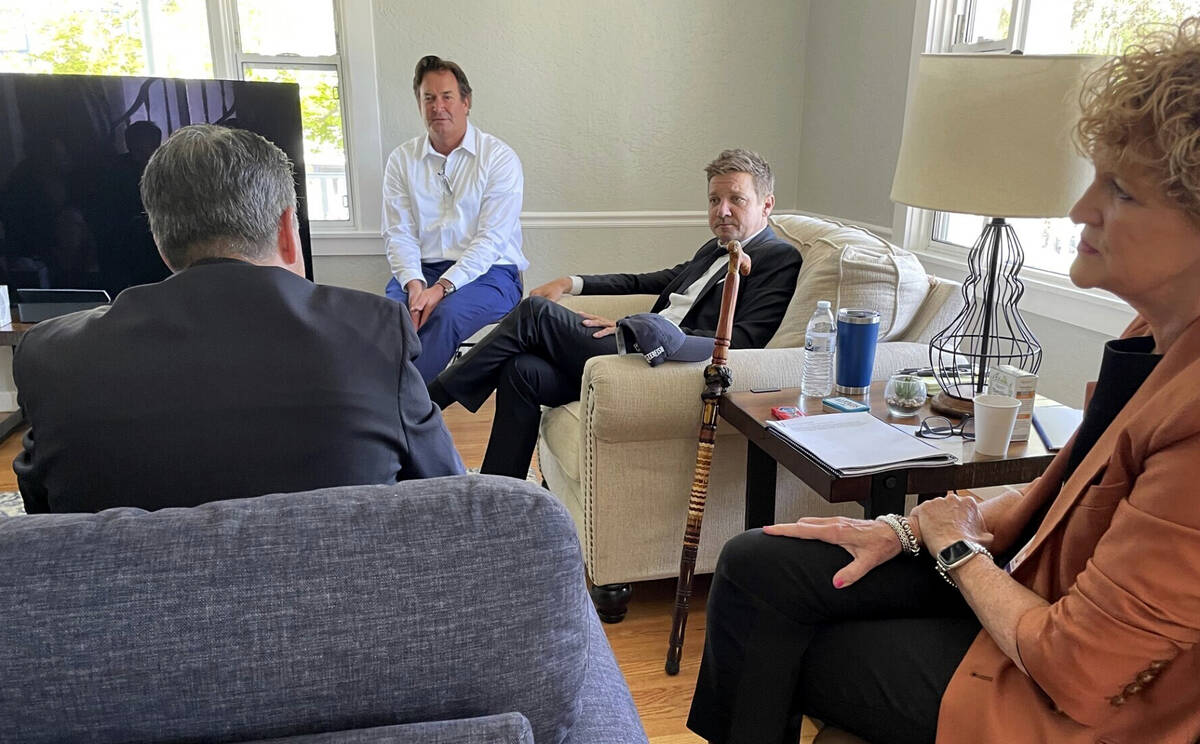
x=535, y=356
x=234, y=377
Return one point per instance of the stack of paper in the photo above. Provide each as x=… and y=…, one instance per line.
x=858, y=443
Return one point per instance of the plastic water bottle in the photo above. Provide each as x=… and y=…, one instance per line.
x=820, y=344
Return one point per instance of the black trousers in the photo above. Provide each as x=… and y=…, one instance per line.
x=874, y=658
x=533, y=358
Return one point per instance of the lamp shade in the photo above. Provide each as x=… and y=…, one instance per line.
x=990, y=134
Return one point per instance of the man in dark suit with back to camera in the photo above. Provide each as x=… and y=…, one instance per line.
x=536, y=355
x=234, y=377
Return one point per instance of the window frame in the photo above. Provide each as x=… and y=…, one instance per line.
x=230, y=63
x=962, y=26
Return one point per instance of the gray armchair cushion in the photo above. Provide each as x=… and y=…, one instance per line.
x=284, y=615
x=608, y=713
x=505, y=728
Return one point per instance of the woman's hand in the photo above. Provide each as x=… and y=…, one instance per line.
x=870, y=543
x=949, y=519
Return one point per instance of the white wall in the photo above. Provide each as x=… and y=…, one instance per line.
x=611, y=106
x=614, y=108
x=855, y=80
x=1070, y=357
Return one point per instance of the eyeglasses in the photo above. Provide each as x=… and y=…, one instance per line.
x=940, y=427
x=445, y=181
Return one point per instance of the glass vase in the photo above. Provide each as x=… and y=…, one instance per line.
x=904, y=395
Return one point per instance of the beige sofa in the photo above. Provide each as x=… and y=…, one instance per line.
x=621, y=458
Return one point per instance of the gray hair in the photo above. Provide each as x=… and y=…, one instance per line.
x=211, y=191
x=739, y=160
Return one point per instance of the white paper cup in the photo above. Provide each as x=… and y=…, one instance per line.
x=994, y=419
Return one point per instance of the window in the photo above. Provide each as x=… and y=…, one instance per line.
x=1041, y=27
x=105, y=37
x=275, y=40
x=987, y=25
x=295, y=41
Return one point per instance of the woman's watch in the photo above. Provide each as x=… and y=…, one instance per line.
x=447, y=286
x=956, y=554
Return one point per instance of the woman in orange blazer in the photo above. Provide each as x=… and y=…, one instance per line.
x=1085, y=626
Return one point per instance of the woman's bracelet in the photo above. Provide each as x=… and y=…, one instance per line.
x=899, y=525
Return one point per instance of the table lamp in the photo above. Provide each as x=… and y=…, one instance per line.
x=990, y=134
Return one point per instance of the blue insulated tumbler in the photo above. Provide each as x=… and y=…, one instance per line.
x=857, y=330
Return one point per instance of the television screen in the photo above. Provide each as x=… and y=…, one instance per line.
x=72, y=150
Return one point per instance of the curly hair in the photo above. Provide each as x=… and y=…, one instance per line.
x=1142, y=109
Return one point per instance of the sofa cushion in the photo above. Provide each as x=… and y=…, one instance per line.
x=850, y=267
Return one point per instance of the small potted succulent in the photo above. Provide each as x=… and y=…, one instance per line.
x=904, y=395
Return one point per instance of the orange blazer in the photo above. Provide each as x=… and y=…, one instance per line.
x=1114, y=656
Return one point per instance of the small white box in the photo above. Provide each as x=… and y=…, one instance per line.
x=1015, y=383
x=5, y=310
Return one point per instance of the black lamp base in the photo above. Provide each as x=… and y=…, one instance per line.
x=989, y=330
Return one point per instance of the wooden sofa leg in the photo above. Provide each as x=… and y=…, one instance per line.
x=612, y=601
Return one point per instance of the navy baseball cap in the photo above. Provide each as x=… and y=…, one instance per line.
x=660, y=340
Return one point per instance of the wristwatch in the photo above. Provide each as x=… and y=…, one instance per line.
x=447, y=286
x=956, y=554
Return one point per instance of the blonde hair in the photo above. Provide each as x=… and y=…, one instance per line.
x=1142, y=109
x=741, y=160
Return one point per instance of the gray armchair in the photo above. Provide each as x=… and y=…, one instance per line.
x=446, y=610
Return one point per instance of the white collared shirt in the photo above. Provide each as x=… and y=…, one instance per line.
x=680, y=303
x=471, y=217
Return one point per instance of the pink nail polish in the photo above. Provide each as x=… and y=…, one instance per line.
x=839, y=583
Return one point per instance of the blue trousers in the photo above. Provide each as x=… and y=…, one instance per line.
x=460, y=314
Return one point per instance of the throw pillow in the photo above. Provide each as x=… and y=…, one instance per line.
x=850, y=267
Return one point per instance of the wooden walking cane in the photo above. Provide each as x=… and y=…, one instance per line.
x=717, y=379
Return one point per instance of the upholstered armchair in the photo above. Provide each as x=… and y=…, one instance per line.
x=621, y=457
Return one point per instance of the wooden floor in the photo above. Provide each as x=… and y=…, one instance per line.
x=9, y=449
x=639, y=642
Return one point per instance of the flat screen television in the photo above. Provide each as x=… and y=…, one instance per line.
x=72, y=150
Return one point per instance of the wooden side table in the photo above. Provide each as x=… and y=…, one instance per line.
x=880, y=493
x=10, y=335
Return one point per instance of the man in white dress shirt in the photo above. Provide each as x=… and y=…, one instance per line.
x=535, y=356
x=451, y=219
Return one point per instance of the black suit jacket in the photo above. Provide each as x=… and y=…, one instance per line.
x=763, y=296
x=223, y=381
